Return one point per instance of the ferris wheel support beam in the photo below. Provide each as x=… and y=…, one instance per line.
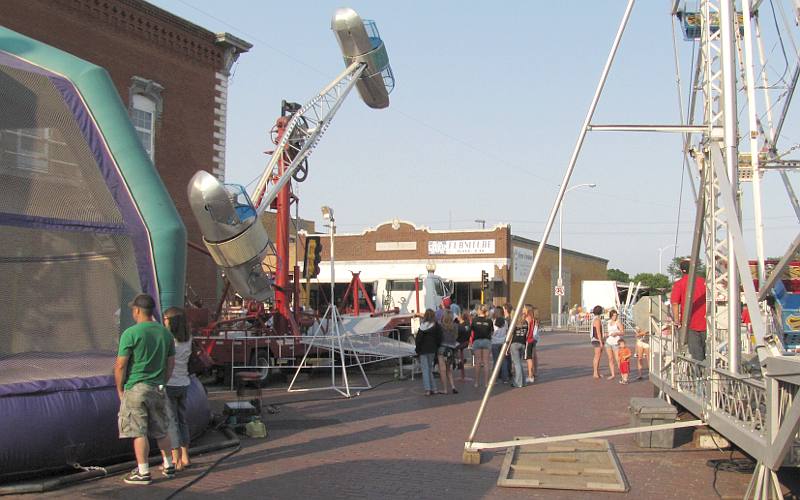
x=731, y=158
x=752, y=122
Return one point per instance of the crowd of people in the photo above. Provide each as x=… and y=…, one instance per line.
x=152, y=377
x=445, y=335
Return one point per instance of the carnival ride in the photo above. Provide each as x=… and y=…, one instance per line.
x=86, y=224
x=236, y=239
x=747, y=388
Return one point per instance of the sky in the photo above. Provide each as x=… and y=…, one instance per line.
x=488, y=104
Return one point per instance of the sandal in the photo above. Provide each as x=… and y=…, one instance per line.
x=454, y=390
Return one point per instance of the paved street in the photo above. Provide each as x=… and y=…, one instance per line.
x=393, y=442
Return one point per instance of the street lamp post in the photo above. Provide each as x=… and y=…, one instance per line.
x=560, y=243
x=660, y=253
x=327, y=214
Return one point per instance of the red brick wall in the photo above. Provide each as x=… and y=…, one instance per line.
x=132, y=38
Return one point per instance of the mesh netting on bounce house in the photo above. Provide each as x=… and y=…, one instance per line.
x=85, y=225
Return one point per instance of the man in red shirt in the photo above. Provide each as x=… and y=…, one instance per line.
x=696, y=334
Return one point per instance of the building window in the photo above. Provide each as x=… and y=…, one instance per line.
x=143, y=113
x=34, y=150
x=145, y=109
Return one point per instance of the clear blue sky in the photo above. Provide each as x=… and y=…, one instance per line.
x=488, y=104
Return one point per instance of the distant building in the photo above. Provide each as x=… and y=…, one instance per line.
x=296, y=246
x=402, y=250
x=172, y=76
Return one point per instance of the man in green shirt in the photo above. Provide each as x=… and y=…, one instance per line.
x=144, y=364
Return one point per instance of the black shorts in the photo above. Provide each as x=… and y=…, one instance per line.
x=530, y=348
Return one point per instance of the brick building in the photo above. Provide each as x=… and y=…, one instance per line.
x=172, y=76
x=296, y=246
x=402, y=250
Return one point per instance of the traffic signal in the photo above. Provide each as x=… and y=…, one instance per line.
x=313, y=257
x=484, y=280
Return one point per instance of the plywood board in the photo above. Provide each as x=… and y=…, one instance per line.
x=583, y=464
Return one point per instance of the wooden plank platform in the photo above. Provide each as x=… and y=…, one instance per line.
x=584, y=464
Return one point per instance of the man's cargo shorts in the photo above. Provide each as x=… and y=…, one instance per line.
x=143, y=412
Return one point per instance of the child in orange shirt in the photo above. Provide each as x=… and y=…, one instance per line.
x=624, y=361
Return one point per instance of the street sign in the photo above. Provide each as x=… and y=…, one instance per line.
x=559, y=291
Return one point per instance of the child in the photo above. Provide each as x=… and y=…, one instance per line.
x=624, y=361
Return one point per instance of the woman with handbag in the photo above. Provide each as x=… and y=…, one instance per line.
x=178, y=386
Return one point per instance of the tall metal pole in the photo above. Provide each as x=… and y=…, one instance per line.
x=560, y=282
x=753, y=127
x=560, y=247
x=333, y=271
x=730, y=134
x=551, y=219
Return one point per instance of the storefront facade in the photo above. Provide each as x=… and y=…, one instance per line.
x=401, y=250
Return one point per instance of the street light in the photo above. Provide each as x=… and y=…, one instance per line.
x=327, y=214
x=560, y=241
x=661, y=252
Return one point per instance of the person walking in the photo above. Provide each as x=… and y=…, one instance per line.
x=596, y=337
x=642, y=350
x=178, y=387
x=517, y=350
x=480, y=341
x=464, y=329
x=696, y=333
x=624, y=361
x=531, y=356
x=145, y=359
x=498, y=339
x=428, y=339
x=446, y=352
x=615, y=332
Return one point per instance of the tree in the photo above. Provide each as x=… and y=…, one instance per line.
x=674, y=270
x=652, y=281
x=618, y=275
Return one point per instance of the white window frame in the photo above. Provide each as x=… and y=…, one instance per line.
x=145, y=96
x=147, y=107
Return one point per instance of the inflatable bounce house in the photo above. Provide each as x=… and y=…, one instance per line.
x=85, y=225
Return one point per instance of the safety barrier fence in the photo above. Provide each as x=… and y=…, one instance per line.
x=265, y=353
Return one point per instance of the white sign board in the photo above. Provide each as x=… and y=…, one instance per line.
x=523, y=260
x=559, y=291
x=389, y=246
x=460, y=247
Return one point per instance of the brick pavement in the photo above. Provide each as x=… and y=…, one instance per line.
x=393, y=442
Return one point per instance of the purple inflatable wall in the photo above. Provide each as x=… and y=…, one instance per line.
x=49, y=424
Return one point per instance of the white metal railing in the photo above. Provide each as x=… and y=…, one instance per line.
x=580, y=323
x=322, y=351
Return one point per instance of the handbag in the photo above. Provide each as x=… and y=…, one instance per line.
x=199, y=360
